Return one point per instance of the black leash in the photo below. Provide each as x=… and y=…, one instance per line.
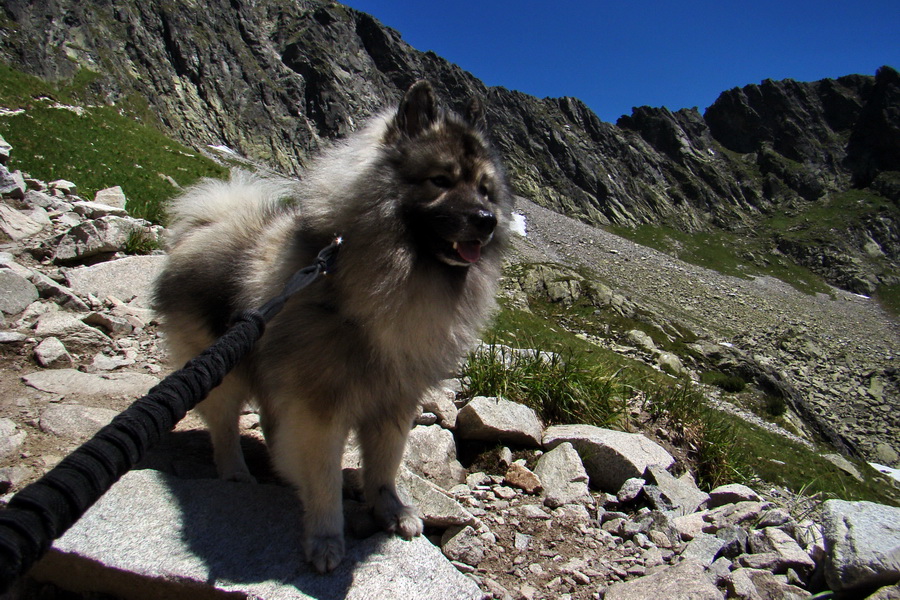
x=44, y=510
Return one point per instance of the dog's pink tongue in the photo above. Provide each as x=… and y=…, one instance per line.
x=469, y=251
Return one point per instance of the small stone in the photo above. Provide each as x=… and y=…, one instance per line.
x=66, y=187
x=426, y=418
x=523, y=478
x=52, y=354
x=496, y=419
x=563, y=476
x=521, y=541
x=74, y=421
x=630, y=490
x=504, y=492
x=730, y=494
x=16, y=292
x=466, y=547
x=11, y=438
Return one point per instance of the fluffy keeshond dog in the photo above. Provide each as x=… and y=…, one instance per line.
x=423, y=206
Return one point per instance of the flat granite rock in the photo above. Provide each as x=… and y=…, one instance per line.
x=157, y=536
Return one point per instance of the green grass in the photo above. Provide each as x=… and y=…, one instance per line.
x=775, y=459
x=729, y=383
x=583, y=383
x=742, y=255
x=560, y=388
x=888, y=296
x=102, y=147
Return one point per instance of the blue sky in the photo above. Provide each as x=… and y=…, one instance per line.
x=616, y=55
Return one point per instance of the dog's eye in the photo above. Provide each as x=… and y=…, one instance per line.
x=441, y=181
x=483, y=190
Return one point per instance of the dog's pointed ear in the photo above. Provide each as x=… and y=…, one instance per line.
x=475, y=113
x=418, y=110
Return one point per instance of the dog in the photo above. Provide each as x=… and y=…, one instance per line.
x=423, y=206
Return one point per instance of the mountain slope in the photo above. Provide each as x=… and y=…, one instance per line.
x=274, y=80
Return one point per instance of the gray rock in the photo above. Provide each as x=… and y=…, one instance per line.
x=436, y=507
x=13, y=476
x=11, y=337
x=52, y=354
x=886, y=593
x=641, y=340
x=735, y=541
x=241, y=539
x=562, y=476
x=104, y=235
x=102, y=362
x=95, y=210
x=682, y=494
x=789, y=552
x=5, y=149
x=16, y=292
x=41, y=200
x=684, y=581
x=440, y=401
x=630, y=490
x=670, y=363
x=863, y=544
x=466, y=547
x=11, y=438
x=731, y=493
x=74, y=421
x=12, y=184
x=75, y=384
x=17, y=225
x=66, y=187
x=431, y=452
x=126, y=278
x=496, y=419
x=62, y=295
x=77, y=335
x=660, y=528
x=610, y=457
x=113, y=196
x=844, y=465
x=110, y=323
x=704, y=548
x=760, y=584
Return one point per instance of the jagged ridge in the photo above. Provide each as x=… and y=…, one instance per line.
x=273, y=81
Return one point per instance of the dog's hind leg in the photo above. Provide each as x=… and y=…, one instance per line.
x=306, y=448
x=221, y=411
x=383, y=442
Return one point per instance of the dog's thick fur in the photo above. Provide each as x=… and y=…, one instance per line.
x=423, y=207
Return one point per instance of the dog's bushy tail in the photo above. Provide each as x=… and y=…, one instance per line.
x=244, y=197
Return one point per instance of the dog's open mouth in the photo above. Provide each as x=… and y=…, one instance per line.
x=470, y=252
x=461, y=254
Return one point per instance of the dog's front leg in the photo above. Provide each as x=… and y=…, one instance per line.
x=383, y=443
x=306, y=448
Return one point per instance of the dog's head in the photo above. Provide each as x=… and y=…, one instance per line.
x=455, y=200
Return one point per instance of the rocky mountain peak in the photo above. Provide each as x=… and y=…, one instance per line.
x=274, y=81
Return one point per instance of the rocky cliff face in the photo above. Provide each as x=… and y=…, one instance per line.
x=273, y=80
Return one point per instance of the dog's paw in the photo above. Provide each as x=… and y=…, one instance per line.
x=324, y=552
x=401, y=520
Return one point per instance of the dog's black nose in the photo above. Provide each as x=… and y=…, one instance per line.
x=483, y=220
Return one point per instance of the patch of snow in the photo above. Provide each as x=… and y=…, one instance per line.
x=223, y=149
x=518, y=224
x=9, y=112
x=890, y=472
